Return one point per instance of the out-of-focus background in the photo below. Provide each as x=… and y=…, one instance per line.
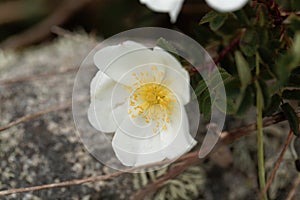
x=101, y=17
x=42, y=43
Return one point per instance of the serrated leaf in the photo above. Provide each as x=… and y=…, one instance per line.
x=161, y=195
x=200, y=88
x=164, y=44
x=208, y=17
x=243, y=69
x=218, y=21
x=292, y=118
x=248, y=42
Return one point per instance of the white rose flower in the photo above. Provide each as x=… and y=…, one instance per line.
x=173, y=7
x=226, y=5
x=140, y=95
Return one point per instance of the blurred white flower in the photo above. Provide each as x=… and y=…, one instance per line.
x=226, y=5
x=173, y=7
x=140, y=95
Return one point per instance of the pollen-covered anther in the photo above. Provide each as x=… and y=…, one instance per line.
x=153, y=102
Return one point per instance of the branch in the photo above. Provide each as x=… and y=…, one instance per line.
x=37, y=77
x=292, y=192
x=141, y=194
x=217, y=59
x=43, y=29
x=277, y=164
x=226, y=138
x=28, y=117
x=228, y=49
x=190, y=158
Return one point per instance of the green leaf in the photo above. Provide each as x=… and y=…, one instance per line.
x=285, y=64
x=296, y=46
x=248, y=42
x=215, y=19
x=164, y=44
x=205, y=104
x=246, y=102
x=233, y=88
x=218, y=21
x=291, y=94
x=208, y=17
x=242, y=17
x=201, y=87
x=291, y=117
x=243, y=69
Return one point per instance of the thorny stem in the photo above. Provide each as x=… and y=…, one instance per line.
x=260, y=142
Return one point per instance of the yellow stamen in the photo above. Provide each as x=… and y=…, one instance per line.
x=151, y=100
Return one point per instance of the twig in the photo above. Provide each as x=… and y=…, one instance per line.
x=190, y=156
x=226, y=138
x=277, y=164
x=228, y=49
x=37, y=77
x=43, y=29
x=292, y=192
x=218, y=58
x=141, y=194
x=62, y=184
x=28, y=117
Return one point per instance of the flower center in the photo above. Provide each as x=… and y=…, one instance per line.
x=153, y=102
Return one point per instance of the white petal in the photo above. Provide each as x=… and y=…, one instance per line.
x=167, y=58
x=140, y=146
x=116, y=61
x=226, y=5
x=178, y=82
x=177, y=77
x=101, y=110
x=177, y=139
x=136, y=146
x=173, y=7
x=147, y=73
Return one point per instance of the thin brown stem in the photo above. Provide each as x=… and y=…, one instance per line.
x=141, y=194
x=37, y=77
x=28, y=117
x=62, y=184
x=227, y=49
x=190, y=158
x=277, y=164
x=292, y=192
